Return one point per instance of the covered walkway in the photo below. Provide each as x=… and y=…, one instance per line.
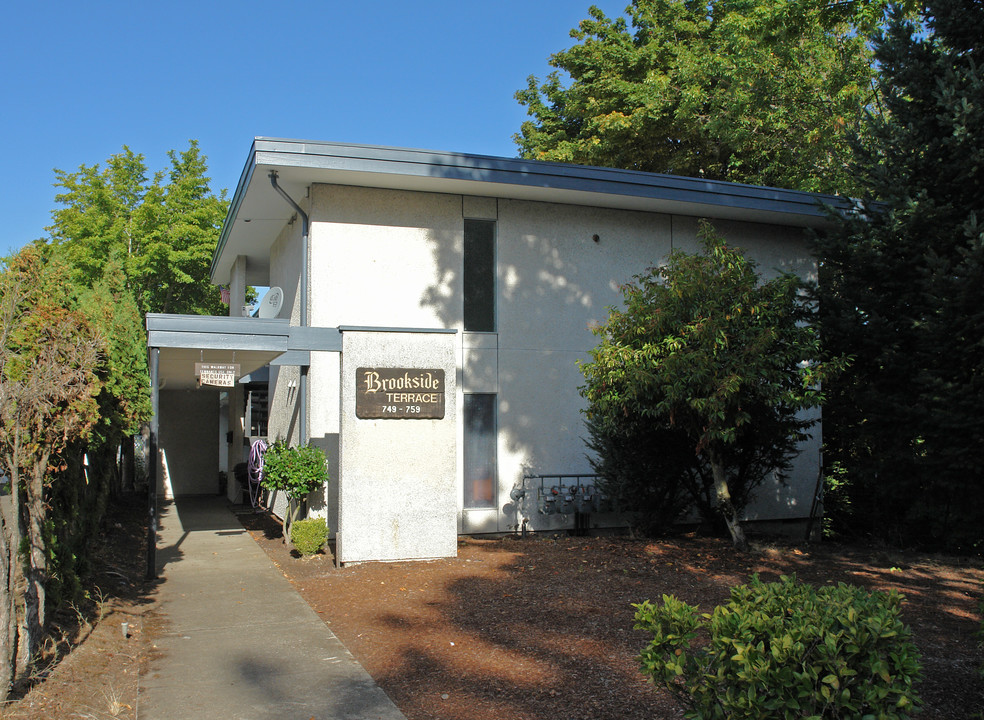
x=238, y=642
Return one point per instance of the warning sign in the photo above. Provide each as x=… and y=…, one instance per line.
x=217, y=374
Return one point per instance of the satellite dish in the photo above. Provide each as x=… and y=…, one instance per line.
x=272, y=303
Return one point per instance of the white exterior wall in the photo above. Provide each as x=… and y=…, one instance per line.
x=397, y=487
x=284, y=397
x=555, y=283
x=387, y=258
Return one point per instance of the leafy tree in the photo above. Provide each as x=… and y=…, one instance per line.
x=295, y=471
x=705, y=356
x=901, y=287
x=160, y=234
x=49, y=359
x=758, y=91
x=644, y=469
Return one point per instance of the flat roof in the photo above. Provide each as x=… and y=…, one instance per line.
x=252, y=343
x=257, y=213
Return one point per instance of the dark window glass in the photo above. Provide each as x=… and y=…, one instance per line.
x=479, y=451
x=479, y=275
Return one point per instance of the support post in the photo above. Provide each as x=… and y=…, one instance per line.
x=153, y=464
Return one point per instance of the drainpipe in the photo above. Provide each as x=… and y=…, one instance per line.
x=302, y=386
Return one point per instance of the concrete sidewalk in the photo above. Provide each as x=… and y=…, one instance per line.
x=239, y=643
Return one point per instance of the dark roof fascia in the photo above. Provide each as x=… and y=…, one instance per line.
x=237, y=200
x=238, y=333
x=536, y=173
x=813, y=208
x=217, y=332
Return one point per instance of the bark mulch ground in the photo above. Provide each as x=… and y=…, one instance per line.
x=526, y=629
x=541, y=628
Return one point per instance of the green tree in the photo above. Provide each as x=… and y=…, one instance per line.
x=79, y=493
x=295, y=471
x=161, y=234
x=901, y=284
x=759, y=91
x=704, y=354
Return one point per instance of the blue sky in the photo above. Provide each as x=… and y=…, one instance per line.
x=78, y=81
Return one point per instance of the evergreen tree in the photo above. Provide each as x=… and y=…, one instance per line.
x=51, y=358
x=903, y=284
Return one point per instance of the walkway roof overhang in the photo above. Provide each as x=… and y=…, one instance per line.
x=184, y=340
x=257, y=213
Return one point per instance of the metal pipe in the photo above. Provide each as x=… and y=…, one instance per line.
x=302, y=385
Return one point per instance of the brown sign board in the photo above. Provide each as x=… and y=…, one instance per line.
x=399, y=393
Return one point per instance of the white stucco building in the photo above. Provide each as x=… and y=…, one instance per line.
x=490, y=270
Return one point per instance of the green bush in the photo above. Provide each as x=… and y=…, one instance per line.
x=309, y=536
x=784, y=650
x=297, y=471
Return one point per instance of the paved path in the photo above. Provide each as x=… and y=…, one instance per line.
x=239, y=643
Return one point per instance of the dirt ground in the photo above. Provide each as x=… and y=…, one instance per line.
x=527, y=629
x=90, y=669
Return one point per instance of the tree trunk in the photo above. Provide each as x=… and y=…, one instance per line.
x=13, y=631
x=8, y=613
x=296, y=510
x=128, y=466
x=723, y=496
x=35, y=572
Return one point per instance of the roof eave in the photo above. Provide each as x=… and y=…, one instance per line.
x=303, y=163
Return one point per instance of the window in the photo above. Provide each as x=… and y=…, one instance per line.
x=479, y=276
x=479, y=451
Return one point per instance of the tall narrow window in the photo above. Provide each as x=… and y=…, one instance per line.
x=479, y=275
x=479, y=450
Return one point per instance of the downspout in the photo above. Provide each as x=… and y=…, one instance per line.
x=302, y=385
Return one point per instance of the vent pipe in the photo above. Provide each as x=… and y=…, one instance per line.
x=303, y=289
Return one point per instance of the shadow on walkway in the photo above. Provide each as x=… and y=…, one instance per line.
x=238, y=642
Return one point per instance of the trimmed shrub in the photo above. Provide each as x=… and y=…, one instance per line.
x=784, y=650
x=309, y=535
x=295, y=471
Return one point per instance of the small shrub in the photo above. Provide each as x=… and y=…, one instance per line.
x=784, y=650
x=295, y=471
x=309, y=535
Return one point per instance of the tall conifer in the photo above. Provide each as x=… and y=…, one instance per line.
x=903, y=284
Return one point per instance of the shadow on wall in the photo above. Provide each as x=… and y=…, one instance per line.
x=553, y=282
x=558, y=270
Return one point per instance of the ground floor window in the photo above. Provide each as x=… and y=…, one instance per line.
x=479, y=450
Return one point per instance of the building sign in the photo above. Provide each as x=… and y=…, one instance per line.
x=217, y=374
x=399, y=393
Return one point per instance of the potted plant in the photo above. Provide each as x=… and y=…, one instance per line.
x=295, y=471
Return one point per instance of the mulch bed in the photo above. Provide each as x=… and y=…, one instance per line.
x=541, y=628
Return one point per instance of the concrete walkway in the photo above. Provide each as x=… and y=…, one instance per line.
x=239, y=643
